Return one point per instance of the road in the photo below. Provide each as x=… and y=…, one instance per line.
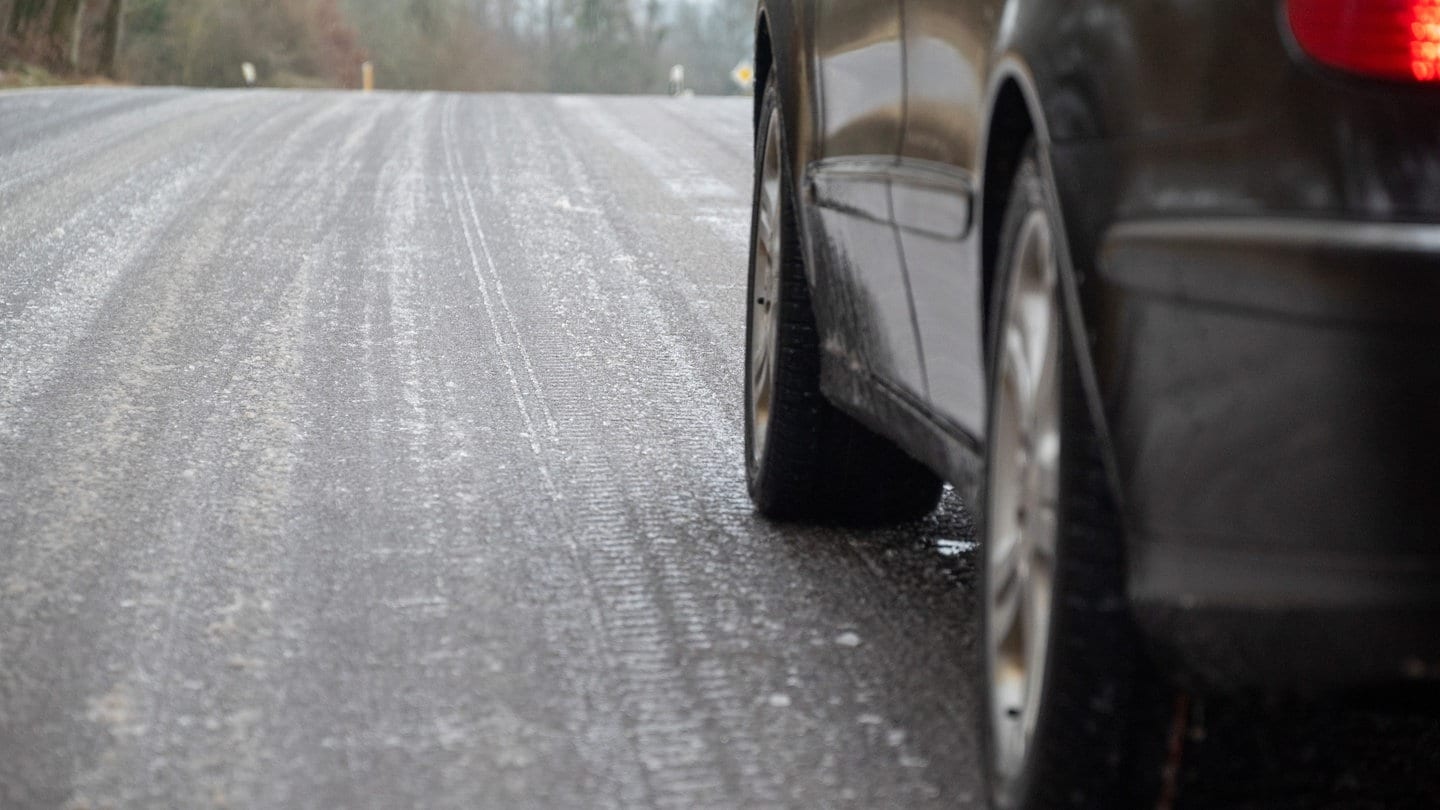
x=385, y=451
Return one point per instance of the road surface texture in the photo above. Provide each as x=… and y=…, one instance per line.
x=384, y=451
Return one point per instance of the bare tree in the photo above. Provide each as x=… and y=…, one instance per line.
x=21, y=13
x=616, y=46
x=111, y=34
x=67, y=18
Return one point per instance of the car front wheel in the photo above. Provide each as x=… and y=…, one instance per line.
x=805, y=459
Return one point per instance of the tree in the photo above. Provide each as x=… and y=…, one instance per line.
x=112, y=30
x=67, y=19
x=22, y=12
x=617, y=46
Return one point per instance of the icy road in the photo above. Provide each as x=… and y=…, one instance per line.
x=385, y=451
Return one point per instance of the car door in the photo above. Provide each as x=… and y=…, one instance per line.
x=934, y=196
x=860, y=69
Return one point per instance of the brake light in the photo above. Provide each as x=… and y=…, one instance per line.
x=1385, y=39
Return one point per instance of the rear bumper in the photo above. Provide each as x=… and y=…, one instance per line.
x=1272, y=389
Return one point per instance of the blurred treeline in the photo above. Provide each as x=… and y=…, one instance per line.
x=621, y=46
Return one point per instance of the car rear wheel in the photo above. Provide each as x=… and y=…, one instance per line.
x=1073, y=714
x=804, y=459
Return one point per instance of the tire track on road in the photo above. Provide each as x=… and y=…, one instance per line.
x=48, y=158
x=214, y=392
x=671, y=269
x=45, y=312
x=460, y=186
x=650, y=619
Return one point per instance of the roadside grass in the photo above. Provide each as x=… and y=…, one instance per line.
x=21, y=74
x=15, y=75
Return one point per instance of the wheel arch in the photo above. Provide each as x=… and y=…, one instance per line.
x=1016, y=114
x=1010, y=126
x=764, y=60
x=780, y=47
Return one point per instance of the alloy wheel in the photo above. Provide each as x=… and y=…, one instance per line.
x=1022, y=521
x=765, y=293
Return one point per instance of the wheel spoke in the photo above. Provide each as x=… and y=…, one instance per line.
x=1018, y=362
x=1038, y=341
x=1006, y=586
x=1045, y=481
x=1046, y=359
x=1045, y=530
x=762, y=367
x=762, y=236
x=1035, y=615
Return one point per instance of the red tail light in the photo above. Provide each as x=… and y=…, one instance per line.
x=1386, y=39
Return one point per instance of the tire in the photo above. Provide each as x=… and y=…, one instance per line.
x=1073, y=714
x=805, y=460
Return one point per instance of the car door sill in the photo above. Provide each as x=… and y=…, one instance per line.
x=928, y=437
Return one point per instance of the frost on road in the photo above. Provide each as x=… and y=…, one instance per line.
x=385, y=451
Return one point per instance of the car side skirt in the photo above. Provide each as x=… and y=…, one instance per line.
x=926, y=437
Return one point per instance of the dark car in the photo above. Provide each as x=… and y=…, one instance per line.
x=1156, y=287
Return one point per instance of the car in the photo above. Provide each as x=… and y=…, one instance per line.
x=1154, y=286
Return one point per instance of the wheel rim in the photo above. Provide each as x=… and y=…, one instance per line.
x=1023, y=492
x=765, y=293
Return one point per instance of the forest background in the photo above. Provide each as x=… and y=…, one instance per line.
x=607, y=46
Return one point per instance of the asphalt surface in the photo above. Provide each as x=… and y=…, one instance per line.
x=385, y=451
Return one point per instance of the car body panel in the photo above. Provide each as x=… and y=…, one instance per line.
x=859, y=77
x=934, y=217
x=865, y=293
x=947, y=57
x=860, y=80
x=1275, y=404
